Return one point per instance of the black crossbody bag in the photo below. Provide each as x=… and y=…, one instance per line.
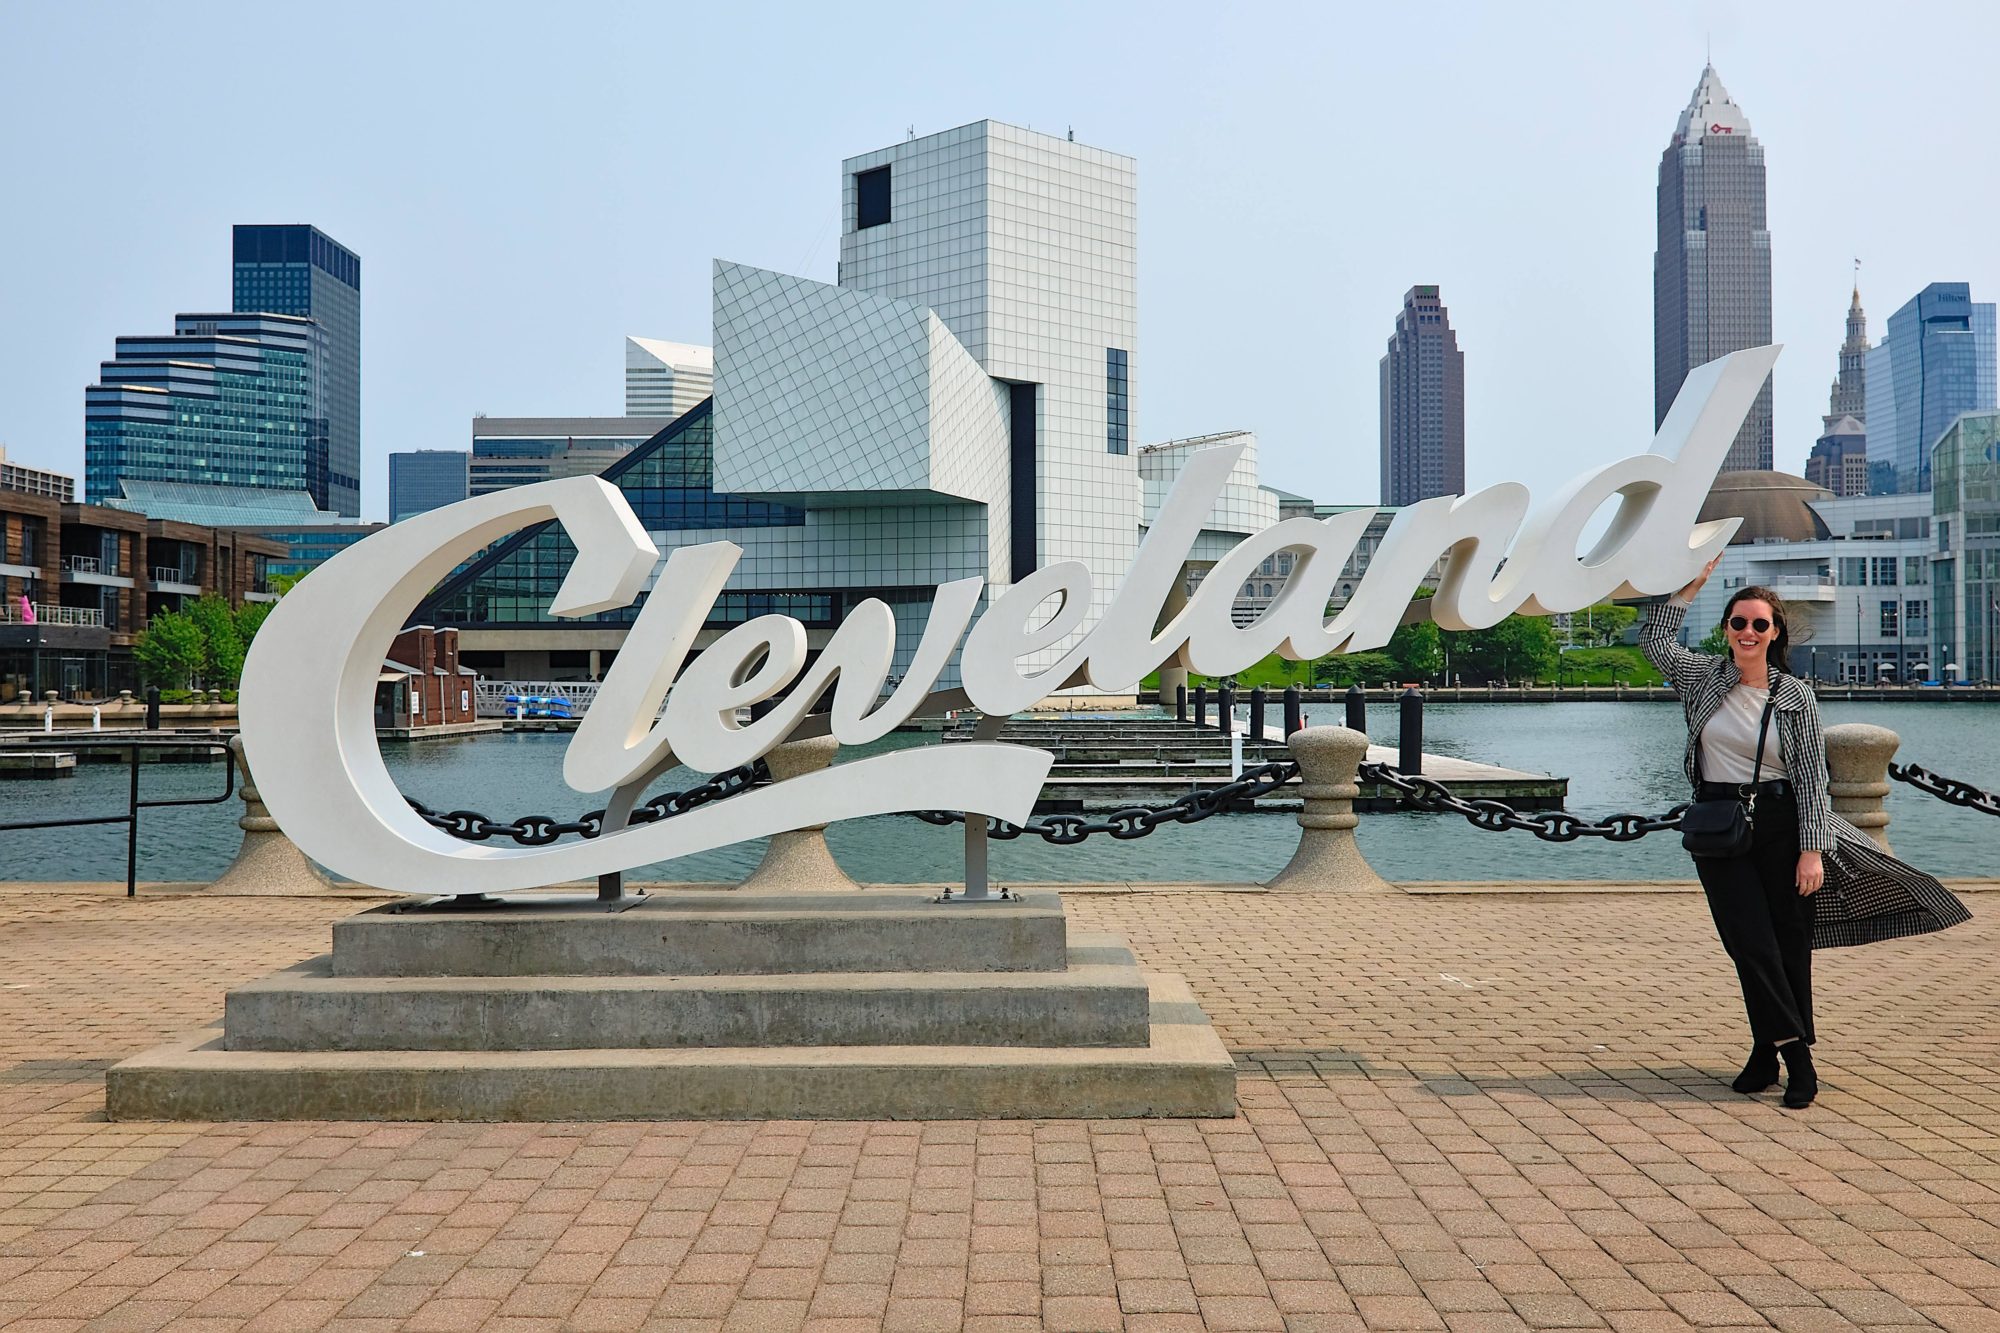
x=1720, y=826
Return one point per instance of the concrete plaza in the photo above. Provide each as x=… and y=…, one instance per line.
x=1460, y=1110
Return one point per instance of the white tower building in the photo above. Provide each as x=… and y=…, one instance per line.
x=664, y=379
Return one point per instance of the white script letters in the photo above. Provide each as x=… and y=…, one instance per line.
x=307, y=701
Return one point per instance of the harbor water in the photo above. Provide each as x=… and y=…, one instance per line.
x=1618, y=757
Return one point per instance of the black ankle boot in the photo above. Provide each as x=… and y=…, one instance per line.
x=1761, y=1072
x=1801, y=1082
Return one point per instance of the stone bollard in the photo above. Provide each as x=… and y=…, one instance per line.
x=1328, y=861
x=1857, y=764
x=267, y=864
x=798, y=859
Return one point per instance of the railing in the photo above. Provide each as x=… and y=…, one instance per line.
x=133, y=805
x=490, y=696
x=45, y=614
x=1800, y=581
x=168, y=575
x=84, y=564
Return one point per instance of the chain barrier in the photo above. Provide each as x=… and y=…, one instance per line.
x=1949, y=790
x=1414, y=792
x=1132, y=821
x=541, y=830
x=1429, y=796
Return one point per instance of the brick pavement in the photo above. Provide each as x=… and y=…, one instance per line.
x=1459, y=1112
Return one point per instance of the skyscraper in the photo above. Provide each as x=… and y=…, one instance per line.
x=1839, y=459
x=664, y=379
x=1849, y=395
x=299, y=270
x=1712, y=266
x=1423, y=404
x=1935, y=362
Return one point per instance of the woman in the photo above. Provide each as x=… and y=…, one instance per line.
x=1810, y=879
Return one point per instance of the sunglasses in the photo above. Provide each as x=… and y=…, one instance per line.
x=1760, y=624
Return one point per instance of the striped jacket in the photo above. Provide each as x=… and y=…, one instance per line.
x=1868, y=895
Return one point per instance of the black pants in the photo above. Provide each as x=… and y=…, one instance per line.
x=1765, y=924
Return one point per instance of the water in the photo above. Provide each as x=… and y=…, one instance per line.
x=1617, y=757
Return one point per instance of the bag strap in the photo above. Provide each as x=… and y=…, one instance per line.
x=1763, y=729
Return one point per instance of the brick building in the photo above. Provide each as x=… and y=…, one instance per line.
x=422, y=684
x=78, y=583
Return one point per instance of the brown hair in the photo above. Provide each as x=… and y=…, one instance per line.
x=1776, y=654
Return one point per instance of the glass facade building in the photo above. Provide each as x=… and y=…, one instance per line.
x=1712, y=264
x=1965, y=570
x=426, y=479
x=1936, y=362
x=225, y=399
x=299, y=270
x=519, y=451
x=668, y=481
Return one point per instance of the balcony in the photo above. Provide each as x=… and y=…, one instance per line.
x=175, y=580
x=46, y=614
x=1802, y=587
x=90, y=570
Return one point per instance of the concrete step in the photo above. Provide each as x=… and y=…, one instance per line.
x=704, y=934
x=1182, y=1070
x=1099, y=1000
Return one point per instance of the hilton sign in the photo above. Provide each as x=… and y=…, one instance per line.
x=307, y=701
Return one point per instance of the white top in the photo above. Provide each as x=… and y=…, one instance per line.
x=1729, y=741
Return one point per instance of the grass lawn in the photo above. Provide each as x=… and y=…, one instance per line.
x=1580, y=666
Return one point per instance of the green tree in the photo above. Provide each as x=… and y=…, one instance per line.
x=250, y=619
x=169, y=651
x=1417, y=650
x=1518, y=648
x=1343, y=669
x=1716, y=644
x=1604, y=623
x=221, y=643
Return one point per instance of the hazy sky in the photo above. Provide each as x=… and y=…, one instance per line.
x=527, y=184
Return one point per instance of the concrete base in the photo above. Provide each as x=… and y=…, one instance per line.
x=1098, y=1000
x=887, y=929
x=831, y=1005
x=1183, y=1070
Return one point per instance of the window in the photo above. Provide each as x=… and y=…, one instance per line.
x=1117, y=415
x=1916, y=569
x=1853, y=571
x=1888, y=620
x=1916, y=615
x=1885, y=571
x=871, y=198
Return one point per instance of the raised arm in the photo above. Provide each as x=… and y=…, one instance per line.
x=1657, y=639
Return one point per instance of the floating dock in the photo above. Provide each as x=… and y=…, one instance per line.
x=1104, y=762
x=37, y=764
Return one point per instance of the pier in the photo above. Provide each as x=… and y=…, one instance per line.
x=1104, y=762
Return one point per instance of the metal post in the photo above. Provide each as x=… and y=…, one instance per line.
x=1235, y=755
x=1180, y=703
x=132, y=830
x=1411, y=740
x=1201, y=705
x=1357, y=709
x=1225, y=710
x=152, y=708
x=1295, y=716
x=978, y=885
x=1257, y=714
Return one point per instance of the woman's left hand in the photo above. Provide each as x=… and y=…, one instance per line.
x=1810, y=875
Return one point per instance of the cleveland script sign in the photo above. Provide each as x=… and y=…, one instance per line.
x=308, y=688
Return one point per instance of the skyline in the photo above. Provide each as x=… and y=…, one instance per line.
x=512, y=248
